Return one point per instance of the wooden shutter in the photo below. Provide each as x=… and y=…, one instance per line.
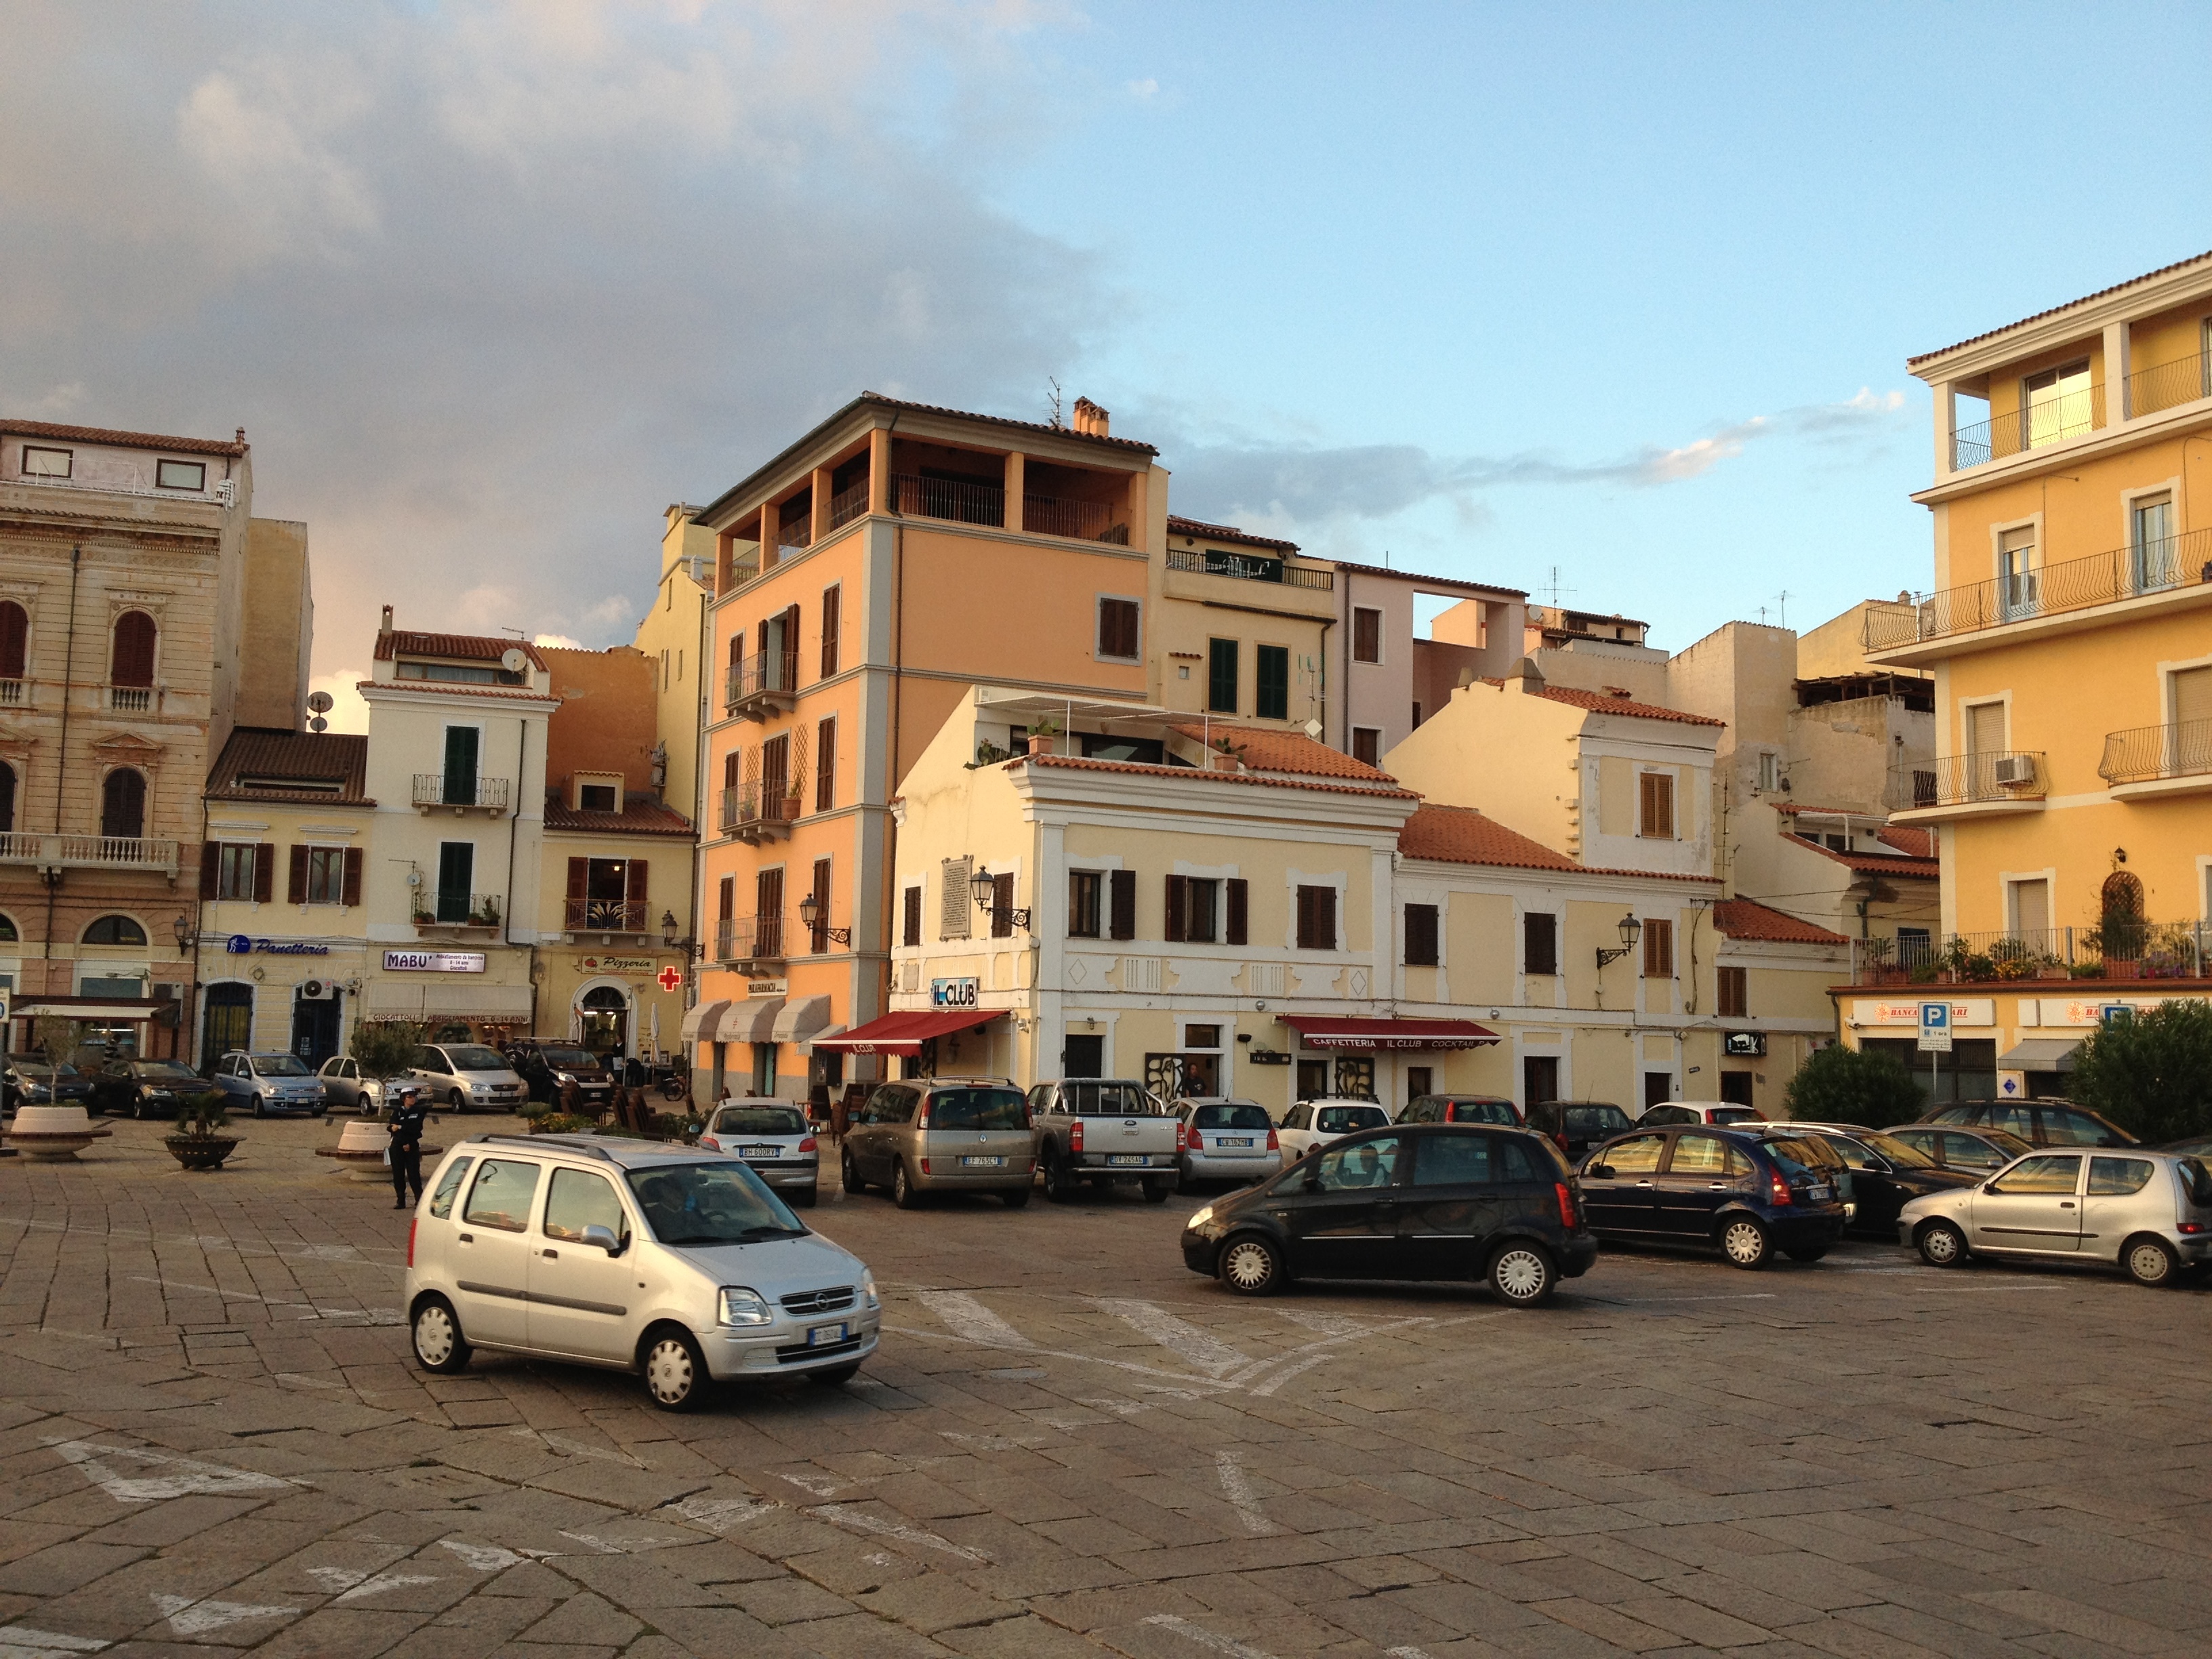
x=1366, y=635
x=1239, y=906
x=1002, y=905
x=295, y=879
x=1178, y=904
x=730, y=769
x=910, y=930
x=265, y=872
x=1658, y=950
x=580, y=880
x=727, y=905
x=1122, y=887
x=790, y=680
x=1656, y=804
x=1117, y=628
x=830, y=621
x=1985, y=728
x=210, y=865
x=820, y=941
x=133, y=663
x=1420, y=936
x=1540, y=943
x=1316, y=918
x=14, y=634
x=825, y=762
x=634, y=872
x=350, y=894
x=1735, y=991
x=2192, y=700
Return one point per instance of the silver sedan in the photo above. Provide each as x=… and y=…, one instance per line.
x=2149, y=1213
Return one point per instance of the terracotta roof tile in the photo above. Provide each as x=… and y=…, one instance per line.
x=1748, y=918
x=1454, y=583
x=1211, y=777
x=1265, y=750
x=1460, y=834
x=1876, y=864
x=98, y=435
x=264, y=756
x=469, y=648
x=1598, y=702
x=1990, y=334
x=448, y=689
x=1004, y=420
x=1225, y=532
x=1913, y=841
x=641, y=815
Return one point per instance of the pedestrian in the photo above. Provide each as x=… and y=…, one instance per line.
x=404, y=1147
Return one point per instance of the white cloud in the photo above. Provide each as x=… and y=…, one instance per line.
x=558, y=642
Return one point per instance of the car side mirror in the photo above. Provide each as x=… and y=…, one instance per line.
x=1599, y=1171
x=603, y=1238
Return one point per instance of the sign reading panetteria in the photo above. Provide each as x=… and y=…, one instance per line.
x=434, y=962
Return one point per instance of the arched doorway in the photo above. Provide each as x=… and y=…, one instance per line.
x=602, y=1015
x=315, y=1023
x=227, y=1023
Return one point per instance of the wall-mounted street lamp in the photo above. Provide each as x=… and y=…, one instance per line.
x=182, y=928
x=1630, y=931
x=671, y=936
x=986, y=888
x=809, y=909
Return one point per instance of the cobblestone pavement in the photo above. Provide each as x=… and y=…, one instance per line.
x=211, y=1439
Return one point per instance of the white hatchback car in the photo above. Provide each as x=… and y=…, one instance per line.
x=1312, y=1123
x=2147, y=1213
x=633, y=1255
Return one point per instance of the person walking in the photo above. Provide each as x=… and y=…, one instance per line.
x=406, y=1146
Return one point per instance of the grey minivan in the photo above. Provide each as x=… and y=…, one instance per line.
x=941, y=1135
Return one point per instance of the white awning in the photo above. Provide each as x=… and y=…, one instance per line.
x=426, y=999
x=2040, y=1055
x=750, y=1021
x=802, y=1016
x=806, y=1049
x=699, y=1023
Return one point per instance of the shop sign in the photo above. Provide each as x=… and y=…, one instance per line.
x=670, y=979
x=766, y=988
x=956, y=994
x=1748, y=1044
x=434, y=962
x=618, y=965
x=241, y=945
x=1970, y=1011
x=2094, y=1011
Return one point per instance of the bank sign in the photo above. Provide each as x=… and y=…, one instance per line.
x=434, y=962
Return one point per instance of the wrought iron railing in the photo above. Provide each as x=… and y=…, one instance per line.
x=1994, y=774
x=2033, y=425
x=2119, y=947
x=769, y=672
x=441, y=907
x=1250, y=567
x=2169, y=385
x=848, y=505
x=949, y=498
x=2143, y=754
x=2123, y=573
x=459, y=789
x=750, y=938
x=591, y=916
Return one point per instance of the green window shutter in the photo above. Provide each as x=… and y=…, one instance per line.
x=460, y=766
x=1221, y=676
x=457, y=869
x=1273, y=700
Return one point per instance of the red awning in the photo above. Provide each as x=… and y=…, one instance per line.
x=904, y=1033
x=1327, y=1031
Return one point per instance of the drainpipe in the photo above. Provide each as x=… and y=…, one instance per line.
x=513, y=831
x=61, y=762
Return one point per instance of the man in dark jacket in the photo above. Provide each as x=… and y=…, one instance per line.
x=405, y=1130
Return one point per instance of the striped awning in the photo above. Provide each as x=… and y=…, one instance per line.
x=699, y=1023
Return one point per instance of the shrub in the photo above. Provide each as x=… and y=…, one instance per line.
x=2152, y=1074
x=1848, y=1086
x=198, y=1116
x=384, y=1048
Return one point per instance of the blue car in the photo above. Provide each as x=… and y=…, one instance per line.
x=267, y=1085
x=1746, y=1193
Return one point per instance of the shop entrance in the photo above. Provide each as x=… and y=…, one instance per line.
x=603, y=1013
x=1736, y=1087
x=315, y=1023
x=1084, y=1056
x=227, y=1025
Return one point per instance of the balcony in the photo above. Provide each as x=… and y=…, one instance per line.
x=90, y=853
x=2158, y=760
x=459, y=794
x=2169, y=386
x=15, y=694
x=1252, y=568
x=2179, y=563
x=440, y=915
x=749, y=941
x=591, y=916
x=795, y=535
x=957, y=501
x=1992, y=784
x=754, y=815
x=765, y=684
x=2121, y=947
x=848, y=506
x=2034, y=424
x=131, y=699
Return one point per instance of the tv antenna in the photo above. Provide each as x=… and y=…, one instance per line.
x=1555, y=590
x=1782, y=610
x=1057, y=423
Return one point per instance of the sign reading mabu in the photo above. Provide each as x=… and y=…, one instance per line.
x=1935, y=1027
x=434, y=962
x=954, y=993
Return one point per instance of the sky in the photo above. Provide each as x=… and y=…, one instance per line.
x=1612, y=302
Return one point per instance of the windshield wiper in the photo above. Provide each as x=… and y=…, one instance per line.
x=743, y=1235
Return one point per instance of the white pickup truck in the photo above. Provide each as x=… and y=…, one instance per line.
x=1104, y=1129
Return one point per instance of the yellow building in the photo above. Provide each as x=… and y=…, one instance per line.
x=2069, y=630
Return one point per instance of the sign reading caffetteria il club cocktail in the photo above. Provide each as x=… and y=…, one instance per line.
x=434, y=962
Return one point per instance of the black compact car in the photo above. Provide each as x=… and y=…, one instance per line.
x=1576, y=1126
x=28, y=1080
x=144, y=1088
x=1879, y=1175
x=1437, y=1201
x=2038, y=1122
x=1463, y=1109
x=545, y=1067
x=1747, y=1193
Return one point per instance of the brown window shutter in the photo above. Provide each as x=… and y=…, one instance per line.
x=1420, y=936
x=350, y=894
x=910, y=932
x=738, y=648
x=634, y=872
x=825, y=762
x=1658, y=950
x=133, y=661
x=14, y=634
x=210, y=862
x=1123, y=886
x=728, y=906
x=1002, y=905
x=1238, y=907
x=1178, y=910
x=265, y=872
x=730, y=769
x=829, y=620
x=295, y=878
x=580, y=876
x=790, y=647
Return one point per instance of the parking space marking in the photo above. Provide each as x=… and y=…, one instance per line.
x=1179, y=1336
x=189, y=1617
x=1205, y=1638
x=184, y=1476
x=1238, y=1487
x=964, y=1315
x=21, y=1642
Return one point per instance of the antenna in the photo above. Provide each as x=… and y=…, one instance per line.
x=1782, y=610
x=1057, y=423
x=1556, y=590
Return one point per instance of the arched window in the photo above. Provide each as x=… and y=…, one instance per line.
x=7, y=934
x=134, y=650
x=2121, y=898
x=14, y=635
x=122, y=805
x=6, y=797
x=114, y=930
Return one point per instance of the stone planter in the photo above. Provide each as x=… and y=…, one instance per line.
x=203, y=1152
x=53, y=1132
x=359, y=1154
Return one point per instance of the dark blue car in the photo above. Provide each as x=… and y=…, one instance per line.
x=1745, y=1193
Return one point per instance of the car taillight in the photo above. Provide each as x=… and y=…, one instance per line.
x=1562, y=1141
x=410, y=1241
x=1186, y=1138
x=921, y=1119
x=1567, y=1205
x=1075, y=1136
x=925, y=1166
x=1777, y=1185
x=2193, y=1227
x=1274, y=1144
x=809, y=1145
x=710, y=1143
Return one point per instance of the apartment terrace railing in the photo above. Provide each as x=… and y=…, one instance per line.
x=1994, y=774
x=2126, y=947
x=2124, y=572
x=221, y=492
x=130, y=699
x=2167, y=385
x=460, y=791
x=2145, y=754
x=750, y=938
x=435, y=907
x=799, y=533
x=1251, y=569
x=88, y=851
x=754, y=813
x=2045, y=420
x=765, y=681
x=961, y=502
x=591, y=916
x=848, y=505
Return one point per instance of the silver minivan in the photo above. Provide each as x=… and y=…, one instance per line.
x=663, y=1262
x=941, y=1135
x=2149, y=1213
x=466, y=1075
x=776, y=1142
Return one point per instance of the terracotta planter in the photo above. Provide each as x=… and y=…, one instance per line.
x=1221, y=762
x=1042, y=745
x=202, y=1152
x=790, y=807
x=52, y=1132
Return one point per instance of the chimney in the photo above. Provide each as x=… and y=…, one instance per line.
x=1091, y=421
x=383, y=628
x=1531, y=679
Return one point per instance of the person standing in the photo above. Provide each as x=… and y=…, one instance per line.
x=406, y=1146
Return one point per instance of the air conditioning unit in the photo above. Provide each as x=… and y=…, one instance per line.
x=2016, y=771
x=317, y=990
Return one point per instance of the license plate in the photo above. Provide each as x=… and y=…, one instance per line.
x=823, y=1336
x=1820, y=1195
x=1226, y=1141
x=760, y=1152
x=1123, y=1159
x=982, y=1163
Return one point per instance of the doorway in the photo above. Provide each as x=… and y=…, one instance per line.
x=1736, y=1087
x=1355, y=1077
x=228, y=1023
x=315, y=1024
x=1417, y=1082
x=1313, y=1079
x=1083, y=1056
x=1540, y=1079
x=1658, y=1089
x=603, y=1013
x=764, y=1070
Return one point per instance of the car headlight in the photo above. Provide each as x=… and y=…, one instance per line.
x=564, y=1077
x=1204, y=1215
x=741, y=1306
x=868, y=1290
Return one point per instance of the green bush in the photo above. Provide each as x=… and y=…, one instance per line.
x=384, y=1048
x=2152, y=1075
x=1847, y=1085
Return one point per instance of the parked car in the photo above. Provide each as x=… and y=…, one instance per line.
x=1103, y=1131
x=2149, y=1213
x=1885, y=1174
x=545, y=1067
x=775, y=1141
x=941, y=1135
x=1463, y=1109
x=2039, y=1123
x=463, y=1075
x=1748, y=1195
x=1576, y=1126
x=632, y=1255
x=1975, y=1152
x=1696, y=1111
x=263, y=1084
x=29, y=1080
x=1225, y=1139
x=1432, y=1201
x=347, y=1090
x=141, y=1088
x=1312, y=1123
x=2193, y=1147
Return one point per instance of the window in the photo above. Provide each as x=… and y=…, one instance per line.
x=459, y=773
x=2150, y=538
x=1654, y=797
x=2057, y=404
x=819, y=940
x=910, y=917
x=607, y=894
x=122, y=805
x=441, y=1201
x=577, y=1199
x=1083, y=895
x=1221, y=675
x=114, y=930
x=1636, y=1156
x=776, y=775
x=1420, y=936
x=6, y=797
x=1417, y=1084
x=1708, y=1156
x=237, y=871
x=327, y=875
x=14, y=637
x=1316, y=918
x=825, y=763
x=1121, y=904
x=131, y=663
x=1273, y=701
x=1540, y=943
x=2055, y=1174
x=1236, y=910
x=1658, y=950
x=1002, y=904
x=1362, y=1164
x=595, y=797
x=1770, y=773
x=953, y=898
x=1367, y=745
x=1118, y=630
x=2030, y=908
x=2116, y=1177
x=457, y=869
x=180, y=474
x=47, y=463
x=502, y=1197
x=1201, y=1037
x=1193, y=909
x=725, y=905
x=832, y=600
x=1735, y=992
x=2017, y=577
x=1366, y=634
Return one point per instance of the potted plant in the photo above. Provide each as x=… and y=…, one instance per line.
x=199, y=1143
x=1041, y=736
x=1227, y=757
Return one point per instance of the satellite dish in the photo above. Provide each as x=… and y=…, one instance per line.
x=319, y=724
x=1313, y=730
x=319, y=702
x=514, y=661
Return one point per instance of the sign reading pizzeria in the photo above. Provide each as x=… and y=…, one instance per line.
x=434, y=962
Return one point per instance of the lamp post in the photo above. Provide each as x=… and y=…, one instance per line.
x=986, y=886
x=1630, y=931
x=809, y=910
x=182, y=928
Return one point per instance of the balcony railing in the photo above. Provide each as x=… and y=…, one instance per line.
x=2121, y=947
x=591, y=916
x=458, y=790
x=800, y=532
x=949, y=498
x=755, y=813
x=1994, y=774
x=848, y=505
x=130, y=699
x=2124, y=572
x=2145, y=753
x=765, y=681
x=1245, y=567
x=436, y=908
x=1083, y=521
x=750, y=938
x=13, y=694
x=2166, y=386
x=88, y=851
x=2045, y=420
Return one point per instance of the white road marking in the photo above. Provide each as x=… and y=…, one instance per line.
x=575, y=1448
x=21, y=1642
x=299, y=1381
x=1328, y=1324
x=189, y=1618
x=1206, y=1638
x=993, y=1442
x=1209, y=1354
x=627, y=1545
x=351, y=1583
x=858, y=1519
x=720, y=1515
x=963, y=1316
x=183, y=1474
x=1204, y=1383
x=1405, y=1653
x=1237, y=1486
x=374, y=1315
x=1289, y=1372
x=484, y=1557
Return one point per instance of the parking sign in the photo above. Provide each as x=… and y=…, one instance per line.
x=1935, y=1028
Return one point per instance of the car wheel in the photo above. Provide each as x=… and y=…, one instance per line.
x=1059, y=1186
x=1523, y=1276
x=1016, y=1198
x=1941, y=1245
x=806, y=1197
x=440, y=1347
x=137, y=1111
x=1250, y=1266
x=674, y=1371
x=260, y=1107
x=2150, y=1261
x=902, y=1191
x=849, y=1174
x=459, y=1102
x=835, y=1376
x=1745, y=1242
x=1157, y=1188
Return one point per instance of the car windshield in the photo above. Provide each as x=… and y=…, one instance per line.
x=1344, y=1120
x=1228, y=1117
x=1732, y=1114
x=167, y=1068
x=474, y=1057
x=978, y=1109
x=2011, y=1144
x=1597, y=1121
x=1484, y=1111
x=1799, y=1156
x=1897, y=1152
x=279, y=1065
x=571, y=1057
x=31, y=1068
x=722, y=1203
x=1090, y=1099
x=769, y=1120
